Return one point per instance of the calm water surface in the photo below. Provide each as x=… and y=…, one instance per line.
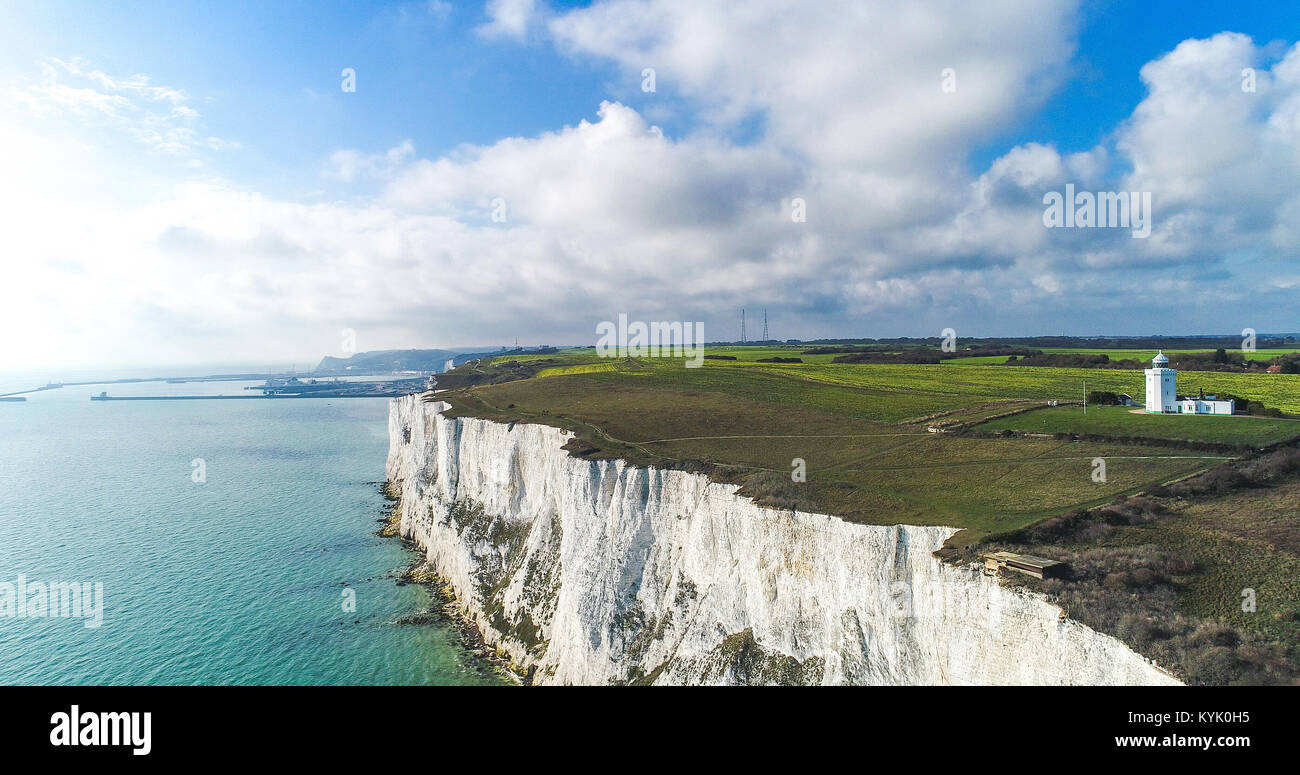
x=232, y=581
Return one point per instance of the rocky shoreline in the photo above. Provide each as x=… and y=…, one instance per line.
x=445, y=608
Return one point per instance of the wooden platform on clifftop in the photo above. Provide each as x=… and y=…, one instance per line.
x=1038, y=567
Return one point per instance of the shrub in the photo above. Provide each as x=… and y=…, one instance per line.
x=775, y=490
x=1103, y=397
x=1212, y=665
x=1215, y=634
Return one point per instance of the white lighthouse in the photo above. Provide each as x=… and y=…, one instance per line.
x=1162, y=385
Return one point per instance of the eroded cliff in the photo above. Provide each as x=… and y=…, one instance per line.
x=599, y=572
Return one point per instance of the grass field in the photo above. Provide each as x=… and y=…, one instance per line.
x=1252, y=540
x=1123, y=422
x=914, y=390
x=1143, y=356
x=751, y=353
x=1147, y=355
x=1169, y=576
x=861, y=430
x=1163, y=570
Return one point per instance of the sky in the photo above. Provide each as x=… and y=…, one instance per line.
x=197, y=183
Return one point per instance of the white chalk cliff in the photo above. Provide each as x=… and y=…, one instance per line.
x=593, y=572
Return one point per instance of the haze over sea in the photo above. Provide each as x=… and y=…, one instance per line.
x=231, y=581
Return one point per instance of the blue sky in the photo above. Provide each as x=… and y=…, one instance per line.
x=270, y=70
x=924, y=211
x=1117, y=37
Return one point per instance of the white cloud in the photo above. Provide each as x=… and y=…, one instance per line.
x=159, y=117
x=610, y=215
x=348, y=165
x=849, y=84
x=510, y=18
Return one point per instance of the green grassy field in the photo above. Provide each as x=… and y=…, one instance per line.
x=1143, y=356
x=1163, y=571
x=1169, y=574
x=861, y=430
x=1147, y=355
x=1121, y=421
x=1251, y=539
x=913, y=390
x=751, y=353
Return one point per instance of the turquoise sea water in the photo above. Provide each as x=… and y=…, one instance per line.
x=232, y=581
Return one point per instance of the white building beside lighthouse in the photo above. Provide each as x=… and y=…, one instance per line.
x=1162, y=393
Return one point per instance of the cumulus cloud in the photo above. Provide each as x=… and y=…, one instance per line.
x=1221, y=165
x=544, y=236
x=847, y=84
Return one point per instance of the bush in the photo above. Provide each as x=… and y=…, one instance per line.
x=1213, y=665
x=1103, y=398
x=1137, y=578
x=1135, y=592
x=775, y=490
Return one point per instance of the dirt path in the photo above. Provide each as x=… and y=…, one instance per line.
x=796, y=436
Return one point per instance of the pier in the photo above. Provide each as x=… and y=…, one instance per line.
x=275, y=396
x=275, y=386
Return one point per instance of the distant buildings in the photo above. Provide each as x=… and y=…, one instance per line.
x=1206, y=405
x=1162, y=393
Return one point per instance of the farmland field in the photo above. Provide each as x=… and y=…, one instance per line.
x=906, y=390
x=1143, y=356
x=1158, y=555
x=861, y=430
x=1122, y=421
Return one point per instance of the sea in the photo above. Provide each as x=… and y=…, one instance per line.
x=229, y=542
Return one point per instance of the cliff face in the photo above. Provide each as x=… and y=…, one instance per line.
x=599, y=572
